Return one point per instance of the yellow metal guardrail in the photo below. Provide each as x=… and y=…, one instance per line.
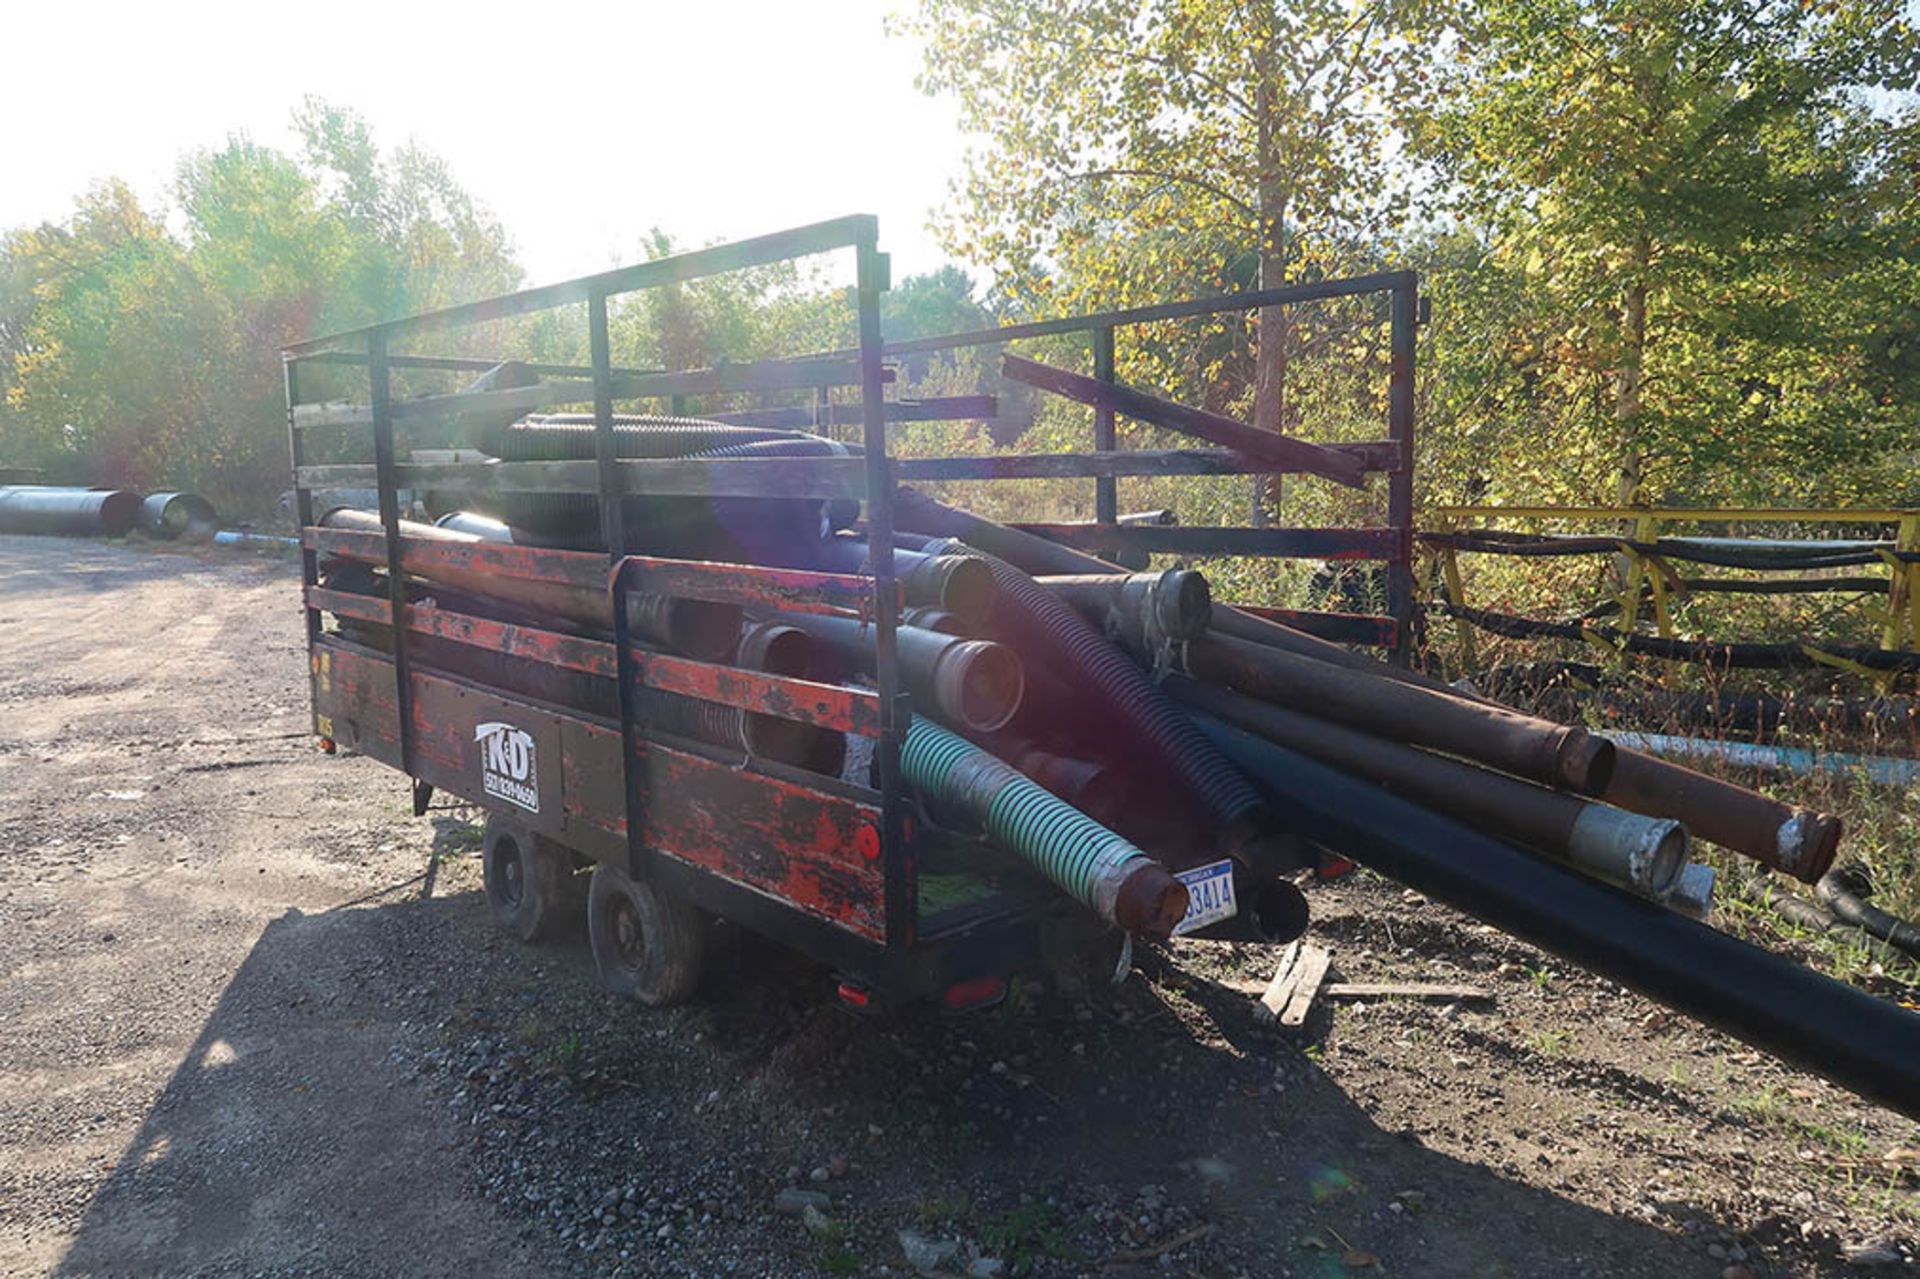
x=1899, y=619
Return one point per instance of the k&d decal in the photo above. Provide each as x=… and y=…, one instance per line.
x=507, y=763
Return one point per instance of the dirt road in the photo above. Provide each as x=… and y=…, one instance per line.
x=235, y=1038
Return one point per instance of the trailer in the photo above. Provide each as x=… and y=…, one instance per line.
x=601, y=653
x=674, y=829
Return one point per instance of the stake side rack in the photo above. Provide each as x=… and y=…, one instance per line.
x=832, y=868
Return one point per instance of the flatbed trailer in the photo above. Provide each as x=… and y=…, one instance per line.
x=676, y=829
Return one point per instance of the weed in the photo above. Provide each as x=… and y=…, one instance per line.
x=564, y=1052
x=1027, y=1233
x=937, y=1210
x=832, y=1252
x=1550, y=1043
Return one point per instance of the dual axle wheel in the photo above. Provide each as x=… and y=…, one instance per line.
x=647, y=944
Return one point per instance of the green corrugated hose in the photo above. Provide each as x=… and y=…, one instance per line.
x=1068, y=847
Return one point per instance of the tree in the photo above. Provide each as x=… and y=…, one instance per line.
x=139, y=356
x=1696, y=196
x=1133, y=148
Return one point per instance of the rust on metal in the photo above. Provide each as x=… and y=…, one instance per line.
x=844, y=710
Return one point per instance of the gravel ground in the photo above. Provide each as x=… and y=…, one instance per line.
x=237, y=1037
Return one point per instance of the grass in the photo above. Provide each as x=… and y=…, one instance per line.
x=1026, y=1234
x=1550, y=1043
x=831, y=1252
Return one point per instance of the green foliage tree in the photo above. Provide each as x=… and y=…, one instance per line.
x=1135, y=149
x=1702, y=210
x=133, y=354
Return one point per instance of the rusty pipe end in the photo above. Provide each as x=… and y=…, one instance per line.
x=1583, y=762
x=979, y=683
x=1807, y=844
x=1151, y=902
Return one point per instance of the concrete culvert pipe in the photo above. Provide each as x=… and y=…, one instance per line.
x=70, y=512
x=177, y=515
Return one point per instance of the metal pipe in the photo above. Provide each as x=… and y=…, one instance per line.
x=171, y=514
x=931, y=617
x=1098, y=868
x=1641, y=853
x=960, y=584
x=1112, y=704
x=1561, y=756
x=71, y=512
x=1881, y=770
x=976, y=684
x=1858, y=1041
x=699, y=629
x=1795, y=841
x=915, y=512
x=1152, y=609
x=484, y=527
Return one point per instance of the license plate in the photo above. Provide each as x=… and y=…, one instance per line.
x=1209, y=896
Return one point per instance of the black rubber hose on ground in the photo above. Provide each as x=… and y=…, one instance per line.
x=1849, y=907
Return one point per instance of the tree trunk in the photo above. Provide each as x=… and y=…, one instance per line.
x=1628, y=400
x=1270, y=349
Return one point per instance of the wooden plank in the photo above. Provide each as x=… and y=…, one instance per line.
x=1404, y=990
x=1288, y=543
x=1313, y=966
x=1282, y=452
x=1273, y=1000
x=789, y=477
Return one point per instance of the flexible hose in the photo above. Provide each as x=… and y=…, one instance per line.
x=1849, y=907
x=1077, y=853
x=1036, y=620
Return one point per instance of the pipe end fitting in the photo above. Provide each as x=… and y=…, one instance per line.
x=980, y=683
x=1807, y=844
x=1692, y=896
x=1151, y=902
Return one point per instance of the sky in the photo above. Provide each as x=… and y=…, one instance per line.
x=579, y=125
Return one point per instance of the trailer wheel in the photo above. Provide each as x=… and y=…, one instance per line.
x=647, y=944
x=526, y=877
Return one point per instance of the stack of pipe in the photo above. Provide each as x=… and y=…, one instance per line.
x=1115, y=729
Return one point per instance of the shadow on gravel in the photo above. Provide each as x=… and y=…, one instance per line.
x=391, y=1089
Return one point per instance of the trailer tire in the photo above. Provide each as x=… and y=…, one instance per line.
x=647, y=944
x=526, y=879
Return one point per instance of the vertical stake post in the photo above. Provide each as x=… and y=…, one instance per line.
x=1106, y=499
x=902, y=889
x=1404, y=321
x=386, y=475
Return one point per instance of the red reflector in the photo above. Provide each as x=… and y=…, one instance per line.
x=866, y=841
x=855, y=995
x=974, y=992
x=1333, y=866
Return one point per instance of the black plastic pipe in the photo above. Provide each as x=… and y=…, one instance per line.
x=1860, y=1042
x=171, y=514
x=73, y=512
